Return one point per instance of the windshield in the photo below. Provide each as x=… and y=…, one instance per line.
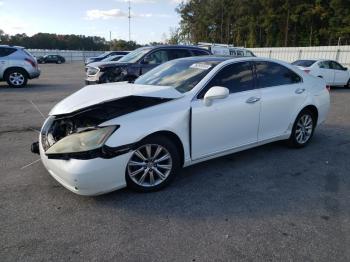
x=103, y=55
x=304, y=63
x=135, y=55
x=180, y=74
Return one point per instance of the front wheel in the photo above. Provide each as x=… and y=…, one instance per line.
x=303, y=129
x=348, y=84
x=152, y=165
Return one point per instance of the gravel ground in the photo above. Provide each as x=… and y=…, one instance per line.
x=270, y=203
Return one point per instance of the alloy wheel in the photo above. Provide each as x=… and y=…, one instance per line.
x=304, y=129
x=150, y=165
x=16, y=78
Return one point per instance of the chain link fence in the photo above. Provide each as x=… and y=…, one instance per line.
x=69, y=55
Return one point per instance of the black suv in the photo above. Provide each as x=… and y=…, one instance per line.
x=138, y=62
x=51, y=59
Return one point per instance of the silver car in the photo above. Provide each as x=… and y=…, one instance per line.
x=17, y=65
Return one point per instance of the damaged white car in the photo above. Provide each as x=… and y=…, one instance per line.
x=186, y=111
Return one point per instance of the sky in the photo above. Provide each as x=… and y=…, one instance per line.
x=151, y=19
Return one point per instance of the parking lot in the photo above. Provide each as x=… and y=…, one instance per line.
x=270, y=203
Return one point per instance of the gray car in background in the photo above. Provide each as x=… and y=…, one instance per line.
x=17, y=65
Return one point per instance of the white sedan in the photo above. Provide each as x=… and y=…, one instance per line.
x=331, y=71
x=183, y=112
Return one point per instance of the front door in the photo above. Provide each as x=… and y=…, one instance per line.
x=227, y=123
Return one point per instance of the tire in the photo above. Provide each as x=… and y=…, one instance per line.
x=59, y=62
x=153, y=165
x=348, y=84
x=16, y=78
x=303, y=129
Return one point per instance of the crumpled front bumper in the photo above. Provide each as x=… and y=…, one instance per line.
x=88, y=177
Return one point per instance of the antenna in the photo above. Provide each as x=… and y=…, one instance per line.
x=129, y=20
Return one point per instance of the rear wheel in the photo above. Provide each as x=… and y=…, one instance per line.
x=59, y=62
x=152, y=165
x=303, y=129
x=16, y=78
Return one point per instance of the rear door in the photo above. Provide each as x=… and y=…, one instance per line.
x=227, y=123
x=282, y=94
x=341, y=74
x=326, y=71
x=4, y=53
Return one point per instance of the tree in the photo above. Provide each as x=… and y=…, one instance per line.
x=254, y=23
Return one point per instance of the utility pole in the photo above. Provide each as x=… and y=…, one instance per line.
x=129, y=21
x=110, y=40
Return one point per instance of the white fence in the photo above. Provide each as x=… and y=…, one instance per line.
x=69, y=55
x=290, y=54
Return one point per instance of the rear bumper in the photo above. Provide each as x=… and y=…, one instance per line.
x=34, y=74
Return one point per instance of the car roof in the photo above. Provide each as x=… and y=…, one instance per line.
x=18, y=47
x=177, y=47
x=206, y=58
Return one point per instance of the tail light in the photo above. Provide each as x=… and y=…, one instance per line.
x=328, y=88
x=307, y=71
x=30, y=62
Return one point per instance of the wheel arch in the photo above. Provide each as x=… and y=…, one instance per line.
x=174, y=138
x=313, y=109
x=15, y=68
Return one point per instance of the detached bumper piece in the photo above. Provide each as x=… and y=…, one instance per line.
x=35, y=148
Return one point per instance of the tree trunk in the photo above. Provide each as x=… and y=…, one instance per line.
x=286, y=30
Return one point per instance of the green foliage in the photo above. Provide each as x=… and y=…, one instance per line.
x=259, y=23
x=65, y=42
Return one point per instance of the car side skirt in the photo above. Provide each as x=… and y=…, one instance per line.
x=235, y=150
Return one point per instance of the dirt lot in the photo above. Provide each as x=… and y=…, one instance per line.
x=271, y=203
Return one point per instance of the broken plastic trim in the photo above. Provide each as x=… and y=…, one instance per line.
x=105, y=152
x=59, y=126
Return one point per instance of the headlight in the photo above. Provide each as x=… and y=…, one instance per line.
x=82, y=142
x=91, y=71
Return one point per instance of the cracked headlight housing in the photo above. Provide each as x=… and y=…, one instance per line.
x=84, y=141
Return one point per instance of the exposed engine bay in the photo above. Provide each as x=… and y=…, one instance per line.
x=59, y=126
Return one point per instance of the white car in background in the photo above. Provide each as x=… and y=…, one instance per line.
x=331, y=71
x=182, y=112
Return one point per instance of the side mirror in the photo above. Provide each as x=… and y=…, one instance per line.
x=215, y=92
x=345, y=68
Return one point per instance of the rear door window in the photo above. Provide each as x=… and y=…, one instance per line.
x=6, y=51
x=272, y=74
x=324, y=65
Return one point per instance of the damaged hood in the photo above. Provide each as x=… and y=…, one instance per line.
x=97, y=94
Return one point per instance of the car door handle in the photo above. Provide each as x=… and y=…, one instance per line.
x=252, y=100
x=300, y=90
